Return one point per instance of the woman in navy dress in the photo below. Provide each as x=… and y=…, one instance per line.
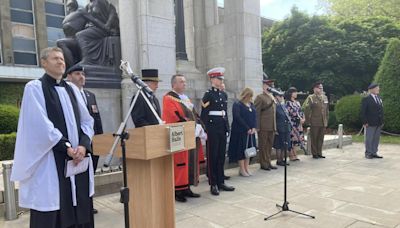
x=243, y=126
x=283, y=129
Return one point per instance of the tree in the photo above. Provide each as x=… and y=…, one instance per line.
x=388, y=78
x=362, y=8
x=344, y=54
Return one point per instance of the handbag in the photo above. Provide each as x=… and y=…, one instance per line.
x=251, y=151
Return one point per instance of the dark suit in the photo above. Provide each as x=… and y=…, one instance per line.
x=142, y=114
x=371, y=111
x=91, y=104
x=94, y=111
x=372, y=114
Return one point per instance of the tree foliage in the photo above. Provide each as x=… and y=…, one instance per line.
x=388, y=78
x=344, y=54
x=362, y=8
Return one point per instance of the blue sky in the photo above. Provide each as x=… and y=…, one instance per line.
x=279, y=9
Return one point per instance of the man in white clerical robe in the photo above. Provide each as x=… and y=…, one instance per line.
x=54, y=128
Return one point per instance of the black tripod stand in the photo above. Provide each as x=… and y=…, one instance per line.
x=285, y=205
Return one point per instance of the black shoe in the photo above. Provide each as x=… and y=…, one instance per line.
x=315, y=156
x=214, y=190
x=189, y=193
x=227, y=177
x=95, y=211
x=376, y=156
x=272, y=167
x=281, y=163
x=369, y=157
x=225, y=187
x=320, y=156
x=179, y=196
x=265, y=168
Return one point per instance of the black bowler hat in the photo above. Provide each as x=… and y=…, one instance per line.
x=267, y=80
x=150, y=75
x=76, y=67
x=373, y=85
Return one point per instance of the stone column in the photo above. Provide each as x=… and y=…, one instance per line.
x=242, y=44
x=180, y=31
x=147, y=41
x=40, y=25
x=6, y=34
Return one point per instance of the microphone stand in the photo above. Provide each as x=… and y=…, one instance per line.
x=122, y=135
x=284, y=206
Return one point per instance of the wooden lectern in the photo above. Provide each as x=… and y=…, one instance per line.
x=150, y=172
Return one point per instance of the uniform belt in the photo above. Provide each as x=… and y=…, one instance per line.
x=217, y=113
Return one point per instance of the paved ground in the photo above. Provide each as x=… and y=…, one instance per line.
x=343, y=190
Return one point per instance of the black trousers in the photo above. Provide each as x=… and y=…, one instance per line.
x=216, y=150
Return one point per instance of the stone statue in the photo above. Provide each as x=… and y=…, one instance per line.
x=89, y=33
x=104, y=23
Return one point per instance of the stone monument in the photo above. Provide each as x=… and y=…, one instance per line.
x=92, y=38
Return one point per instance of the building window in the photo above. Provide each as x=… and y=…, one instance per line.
x=23, y=32
x=55, y=13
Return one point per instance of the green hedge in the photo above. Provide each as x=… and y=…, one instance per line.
x=8, y=119
x=347, y=111
x=7, y=145
x=11, y=92
x=388, y=78
x=332, y=122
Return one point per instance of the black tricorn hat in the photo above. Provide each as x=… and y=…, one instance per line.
x=267, y=80
x=150, y=75
x=76, y=67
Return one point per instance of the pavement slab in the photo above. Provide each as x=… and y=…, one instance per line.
x=345, y=190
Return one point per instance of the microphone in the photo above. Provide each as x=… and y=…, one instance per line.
x=275, y=92
x=126, y=68
x=142, y=84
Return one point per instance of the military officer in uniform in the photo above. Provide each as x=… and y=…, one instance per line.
x=213, y=114
x=316, y=109
x=266, y=123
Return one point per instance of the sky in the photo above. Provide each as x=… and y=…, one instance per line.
x=279, y=9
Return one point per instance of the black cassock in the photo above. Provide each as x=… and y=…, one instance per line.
x=68, y=215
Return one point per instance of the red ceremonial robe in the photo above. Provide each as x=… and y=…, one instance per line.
x=172, y=113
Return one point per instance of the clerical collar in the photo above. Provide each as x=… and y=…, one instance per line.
x=215, y=89
x=53, y=81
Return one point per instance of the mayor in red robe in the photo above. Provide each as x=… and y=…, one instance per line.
x=178, y=108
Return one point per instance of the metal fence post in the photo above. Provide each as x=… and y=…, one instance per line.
x=308, y=141
x=9, y=192
x=340, y=136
